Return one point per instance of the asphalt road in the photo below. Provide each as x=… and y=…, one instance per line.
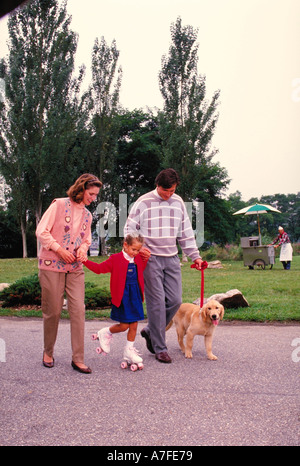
x=249, y=396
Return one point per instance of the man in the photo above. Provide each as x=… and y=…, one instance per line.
x=162, y=219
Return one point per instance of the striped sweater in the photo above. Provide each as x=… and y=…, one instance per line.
x=162, y=223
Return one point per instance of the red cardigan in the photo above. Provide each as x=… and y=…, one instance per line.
x=117, y=265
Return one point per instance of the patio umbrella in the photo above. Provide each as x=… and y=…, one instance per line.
x=257, y=209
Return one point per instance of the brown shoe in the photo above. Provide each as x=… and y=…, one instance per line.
x=163, y=357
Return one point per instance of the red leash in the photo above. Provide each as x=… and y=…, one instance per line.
x=203, y=267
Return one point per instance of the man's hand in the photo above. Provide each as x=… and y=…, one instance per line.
x=198, y=263
x=145, y=253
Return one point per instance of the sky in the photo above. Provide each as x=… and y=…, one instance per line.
x=249, y=50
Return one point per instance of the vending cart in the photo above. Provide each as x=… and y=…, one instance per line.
x=255, y=254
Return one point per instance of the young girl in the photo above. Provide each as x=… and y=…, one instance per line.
x=127, y=293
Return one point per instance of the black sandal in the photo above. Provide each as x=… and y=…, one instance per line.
x=48, y=364
x=87, y=370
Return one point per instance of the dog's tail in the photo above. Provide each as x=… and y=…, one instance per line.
x=169, y=325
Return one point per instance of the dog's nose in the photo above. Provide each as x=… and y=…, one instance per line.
x=214, y=316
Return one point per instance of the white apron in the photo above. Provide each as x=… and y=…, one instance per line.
x=286, y=252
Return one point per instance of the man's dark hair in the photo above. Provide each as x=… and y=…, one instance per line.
x=167, y=178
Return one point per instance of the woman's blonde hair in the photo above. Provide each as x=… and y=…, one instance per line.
x=76, y=191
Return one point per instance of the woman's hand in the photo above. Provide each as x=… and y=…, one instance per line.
x=65, y=255
x=81, y=255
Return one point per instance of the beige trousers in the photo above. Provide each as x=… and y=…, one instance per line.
x=54, y=285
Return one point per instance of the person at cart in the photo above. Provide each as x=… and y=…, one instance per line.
x=286, y=251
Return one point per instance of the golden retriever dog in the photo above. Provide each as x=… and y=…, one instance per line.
x=190, y=320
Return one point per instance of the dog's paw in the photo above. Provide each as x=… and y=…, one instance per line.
x=212, y=357
x=188, y=354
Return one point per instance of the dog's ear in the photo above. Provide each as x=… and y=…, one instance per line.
x=204, y=311
x=222, y=312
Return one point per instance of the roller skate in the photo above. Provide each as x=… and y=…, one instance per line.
x=104, y=338
x=132, y=359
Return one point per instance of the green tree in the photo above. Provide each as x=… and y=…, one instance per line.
x=102, y=103
x=187, y=126
x=139, y=152
x=289, y=218
x=40, y=111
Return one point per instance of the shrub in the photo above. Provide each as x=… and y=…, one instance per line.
x=226, y=253
x=27, y=291
x=97, y=298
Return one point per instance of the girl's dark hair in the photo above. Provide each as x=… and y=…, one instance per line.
x=76, y=191
x=167, y=178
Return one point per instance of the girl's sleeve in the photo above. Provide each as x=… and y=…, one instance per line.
x=142, y=262
x=103, y=267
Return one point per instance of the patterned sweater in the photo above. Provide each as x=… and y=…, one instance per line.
x=282, y=238
x=162, y=223
x=64, y=224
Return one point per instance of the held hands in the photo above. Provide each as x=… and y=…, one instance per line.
x=145, y=253
x=82, y=255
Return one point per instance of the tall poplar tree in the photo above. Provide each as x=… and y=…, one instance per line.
x=187, y=125
x=188, y=120
x=39, y=114
x=102, y=101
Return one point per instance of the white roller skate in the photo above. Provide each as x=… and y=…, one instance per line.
x=104, y=337
x=132, y=359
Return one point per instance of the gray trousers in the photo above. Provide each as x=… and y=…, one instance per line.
x=163, y=293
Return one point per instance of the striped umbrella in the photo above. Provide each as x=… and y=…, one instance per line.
x=257, y=209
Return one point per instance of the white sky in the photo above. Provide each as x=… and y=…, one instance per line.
x=249, y=49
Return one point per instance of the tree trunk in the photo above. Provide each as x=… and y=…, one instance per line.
x=38, y=215
x=24, y=240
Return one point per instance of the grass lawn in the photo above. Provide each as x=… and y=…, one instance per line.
x=273, y=294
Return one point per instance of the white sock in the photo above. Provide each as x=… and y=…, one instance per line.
x=129, y=344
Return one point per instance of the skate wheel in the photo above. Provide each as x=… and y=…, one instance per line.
x=124, y=365
x=98, y=350
x=134, y=367
x=94, y=336
x=141, y=366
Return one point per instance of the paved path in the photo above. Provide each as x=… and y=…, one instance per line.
x=250, y=396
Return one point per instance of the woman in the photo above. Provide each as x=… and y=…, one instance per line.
x=64, y=233
x=286, y=252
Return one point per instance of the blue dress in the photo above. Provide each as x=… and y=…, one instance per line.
x=131, y=308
